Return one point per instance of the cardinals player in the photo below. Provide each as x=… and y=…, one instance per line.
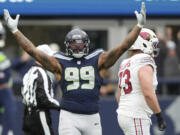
x=137, y=82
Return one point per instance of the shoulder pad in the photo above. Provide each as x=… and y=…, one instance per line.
x=61, y=55
x=145, y=58
x=94, y=53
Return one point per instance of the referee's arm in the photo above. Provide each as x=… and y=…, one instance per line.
x=43, y=97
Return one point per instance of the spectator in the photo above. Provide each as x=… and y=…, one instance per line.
x=171, y=67
x=160, y=60
x=169, y=33
x=162, y=54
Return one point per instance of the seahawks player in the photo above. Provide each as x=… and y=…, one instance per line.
x=6, y=95
x=79, y=74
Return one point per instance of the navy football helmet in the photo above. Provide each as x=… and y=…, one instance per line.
x=77, y=43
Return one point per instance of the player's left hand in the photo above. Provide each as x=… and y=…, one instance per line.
x=141, y=17
x=11, y=23
x=161, y=122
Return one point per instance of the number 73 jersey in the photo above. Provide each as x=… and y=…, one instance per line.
x=132, y=102
x=80, y=83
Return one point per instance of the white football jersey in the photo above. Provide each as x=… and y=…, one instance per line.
x=132, y=102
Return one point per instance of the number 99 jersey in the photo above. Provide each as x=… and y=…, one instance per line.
x=132, y=102
x=80, y=83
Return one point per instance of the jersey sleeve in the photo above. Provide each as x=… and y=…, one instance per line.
x=146, y=60
x=62, y=58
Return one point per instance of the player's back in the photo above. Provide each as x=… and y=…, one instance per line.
x=80, y=83
x=132, y=102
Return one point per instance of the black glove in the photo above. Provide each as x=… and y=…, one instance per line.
x=161, y=122
x=59, y=109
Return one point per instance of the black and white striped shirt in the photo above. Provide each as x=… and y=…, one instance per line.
x=37, y=89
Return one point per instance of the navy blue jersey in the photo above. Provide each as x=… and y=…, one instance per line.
x=5, y=72
x=80, y=83
x=21, y=67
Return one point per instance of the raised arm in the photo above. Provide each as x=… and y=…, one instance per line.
x=108, y=58
x=49, y=62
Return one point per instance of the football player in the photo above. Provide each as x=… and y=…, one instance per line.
x=137, y=82
x=6, y=94
x=79, y=74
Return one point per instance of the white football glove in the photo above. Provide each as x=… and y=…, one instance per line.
x=11, y=23
x=141, y=17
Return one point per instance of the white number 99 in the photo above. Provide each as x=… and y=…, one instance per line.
x=85, y=73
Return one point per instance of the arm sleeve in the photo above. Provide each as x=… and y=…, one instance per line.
x=43, y=96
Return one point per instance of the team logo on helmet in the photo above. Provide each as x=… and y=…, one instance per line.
x=146, y=36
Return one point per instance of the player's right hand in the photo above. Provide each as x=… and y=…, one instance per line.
x=141, y=17
x=161, y=122
x=11, y=23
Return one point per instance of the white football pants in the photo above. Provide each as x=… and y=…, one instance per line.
x=134, y=126
x=79, y=124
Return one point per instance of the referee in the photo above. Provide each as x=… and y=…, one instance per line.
x=38, y=99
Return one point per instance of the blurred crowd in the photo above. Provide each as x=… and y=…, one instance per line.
x=168, y=61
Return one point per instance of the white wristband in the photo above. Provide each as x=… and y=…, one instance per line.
x=139, y=25
x=14, y=31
